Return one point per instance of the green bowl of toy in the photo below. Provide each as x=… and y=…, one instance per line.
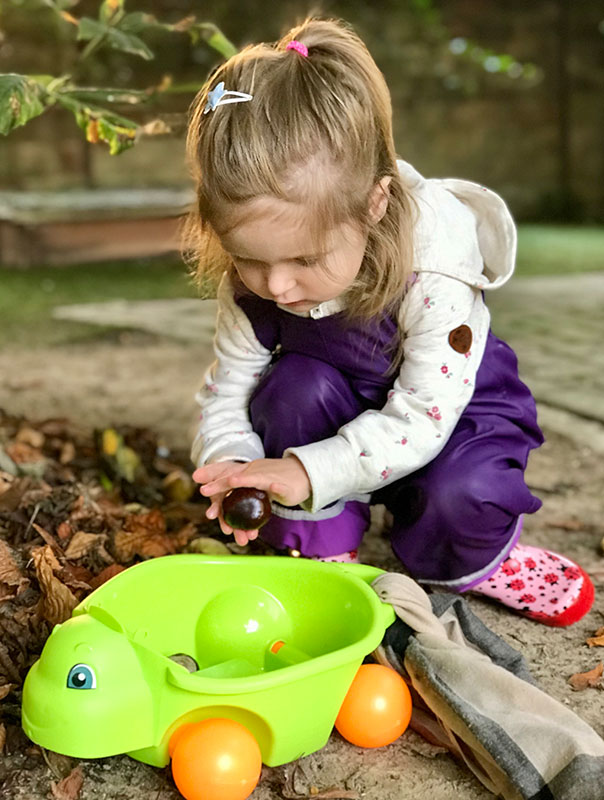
x=270, y=642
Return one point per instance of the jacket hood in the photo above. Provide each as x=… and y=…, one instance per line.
x=464, y=230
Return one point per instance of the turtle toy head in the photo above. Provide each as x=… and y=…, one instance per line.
x=87, y=695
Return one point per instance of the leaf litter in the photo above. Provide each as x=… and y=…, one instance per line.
x=76, y=508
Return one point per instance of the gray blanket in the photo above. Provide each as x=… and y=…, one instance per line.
x=474, y=694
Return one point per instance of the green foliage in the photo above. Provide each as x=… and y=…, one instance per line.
x=559, y=249
x=23, y=97
x=89, y=30
x=29, y=295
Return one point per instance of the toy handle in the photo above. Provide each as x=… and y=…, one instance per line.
x=368, y=574
x=365, y=572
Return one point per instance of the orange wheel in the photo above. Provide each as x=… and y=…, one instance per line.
x=216, y=759
x=175, y=738
x=377, y=708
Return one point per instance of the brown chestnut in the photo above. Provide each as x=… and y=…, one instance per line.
x=246, y=509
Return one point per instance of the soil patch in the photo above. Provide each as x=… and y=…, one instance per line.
x=143, y=380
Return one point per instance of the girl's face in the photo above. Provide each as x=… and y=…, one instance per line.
x=274, y=255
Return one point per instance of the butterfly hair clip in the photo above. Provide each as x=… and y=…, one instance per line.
x=220, y=97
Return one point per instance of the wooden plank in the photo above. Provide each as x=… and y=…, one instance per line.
x=34, y=208
x=81, y=242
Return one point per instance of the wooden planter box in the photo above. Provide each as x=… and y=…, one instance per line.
x=48, y=228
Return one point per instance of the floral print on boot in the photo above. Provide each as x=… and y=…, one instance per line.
x=541, y=585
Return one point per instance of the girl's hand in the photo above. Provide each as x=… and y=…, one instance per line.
x=285, y=479
x=212, y=473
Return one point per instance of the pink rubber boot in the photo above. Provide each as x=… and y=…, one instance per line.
x=541, y=585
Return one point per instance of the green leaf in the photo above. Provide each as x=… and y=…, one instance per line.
x=21, y=99
x=99, y=124
x=108, y=95
x=118, y=137
x=213, y=36
x=138, y=21
x=91, y=30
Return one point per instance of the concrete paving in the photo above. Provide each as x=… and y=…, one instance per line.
x=555, y=324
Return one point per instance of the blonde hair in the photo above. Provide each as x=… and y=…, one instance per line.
x=318, y=132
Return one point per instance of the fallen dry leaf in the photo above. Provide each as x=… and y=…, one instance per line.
x=11, y=499
x=76, y=578
x=27, y=435
x=22, y=453
x=29, y=616
x=77, y=508
x=144, y=535
x=83, y=542
x=12, y=580
x=36, y=493
x=4, y=690
x=103, y=577
x=208, y=546
x=6, y=481
x=68, y=453
x=59, y=764
x=75, y=572
x=583, y=680
x=70, y=787
x=58, y=600
x=597, y=640
x=178, y=486
x=50, y=541
x=64, y=530
x=8, y=668
x=2, y=737
x=183, y=536
x=49, y=557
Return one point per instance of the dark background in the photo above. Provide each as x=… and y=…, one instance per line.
x=538, y=138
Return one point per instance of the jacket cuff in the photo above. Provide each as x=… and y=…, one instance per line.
x=331, y=470
x=246, y=450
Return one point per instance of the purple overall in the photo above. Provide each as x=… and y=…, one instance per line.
x=455, y=519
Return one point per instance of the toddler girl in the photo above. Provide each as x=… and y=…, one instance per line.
x=354, y=359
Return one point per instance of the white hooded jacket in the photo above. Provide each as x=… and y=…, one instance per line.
x=464, y=242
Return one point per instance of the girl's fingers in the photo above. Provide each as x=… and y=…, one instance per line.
x=199, y=475
x=255, y=480
x=209, y=473
x=226, y=529
x=241, y=537
x=214, y=487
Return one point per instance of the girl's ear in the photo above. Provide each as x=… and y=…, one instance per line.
x=378, y=199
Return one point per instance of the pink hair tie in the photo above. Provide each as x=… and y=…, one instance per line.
x=298, y=47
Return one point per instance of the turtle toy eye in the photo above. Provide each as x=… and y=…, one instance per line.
x=81, y=677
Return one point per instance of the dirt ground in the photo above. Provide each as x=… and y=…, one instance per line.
x=144, y=380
